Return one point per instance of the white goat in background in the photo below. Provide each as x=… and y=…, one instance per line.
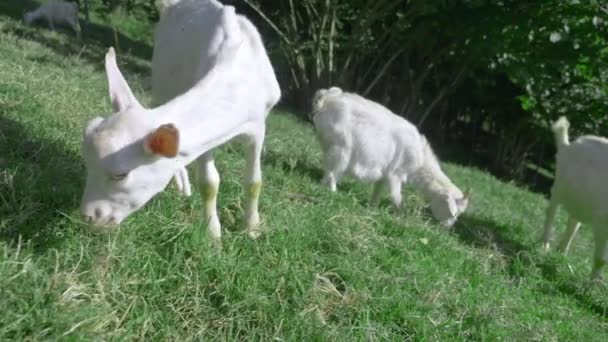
x=211, y=70
x=367, y=141
x=56, y=12
x=581, y=188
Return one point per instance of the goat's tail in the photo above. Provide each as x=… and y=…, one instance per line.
x=321, y=95
x=560, y=129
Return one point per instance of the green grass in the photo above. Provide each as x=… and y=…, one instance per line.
x=327, y=267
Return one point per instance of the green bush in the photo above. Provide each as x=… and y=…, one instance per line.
x=486, y=75
x=491, y=74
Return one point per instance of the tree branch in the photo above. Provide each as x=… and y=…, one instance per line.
x=270, y=22
x=383, y=71
x=442, y=93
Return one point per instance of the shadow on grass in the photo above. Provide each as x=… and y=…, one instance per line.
x=93, y=46
x=520, y=258
x=292, y=164
x=531, y=179
x=39, y=182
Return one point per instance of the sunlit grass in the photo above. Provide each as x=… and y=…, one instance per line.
x=327, y=267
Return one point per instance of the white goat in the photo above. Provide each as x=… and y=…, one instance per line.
x=581, y=187
x=367, y=141
x=56, y=12
x=211, y=68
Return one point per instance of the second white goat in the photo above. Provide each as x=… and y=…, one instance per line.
x=365, y=140
x=55, y=12
x=580, y=187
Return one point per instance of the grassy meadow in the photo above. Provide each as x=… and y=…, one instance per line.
x=326, y=267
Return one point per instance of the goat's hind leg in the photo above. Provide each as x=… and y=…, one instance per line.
x=183, y=182
x=252, y=181
x=208, y=183
x=549, y=223
x=600, y=256
x=569, y=234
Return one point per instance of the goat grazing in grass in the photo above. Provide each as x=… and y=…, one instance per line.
x=581, y=188
x=212, y=74
x=367, y=141
x=55, y=12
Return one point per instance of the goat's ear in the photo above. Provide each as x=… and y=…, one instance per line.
x=120, y=93
x=164, y=141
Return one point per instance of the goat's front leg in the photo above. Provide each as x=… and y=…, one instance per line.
x=209, y=182
x=573, y=226
x=377, y=190
x=394, y=185
x=335, y=162
x=330, y=181
x=51, y=23
x=252, y=183
x=549, y=223
x=76, y=27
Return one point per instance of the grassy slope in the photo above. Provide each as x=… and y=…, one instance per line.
x=327, y=268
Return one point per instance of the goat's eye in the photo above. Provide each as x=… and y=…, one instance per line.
x=119, y=177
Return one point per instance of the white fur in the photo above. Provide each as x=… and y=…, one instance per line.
x=162, y=5
x=183, y=182
x=581, y=188
x=212, y=74
x=367, y=141
x=55, y=12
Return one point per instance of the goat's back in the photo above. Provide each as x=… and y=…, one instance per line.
x=186, y=38
x=377, y=141
x=367, y=117
x=581, y=180
x=59, y=9
x=187, y=41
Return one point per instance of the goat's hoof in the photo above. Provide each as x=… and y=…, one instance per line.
x=331, y=186
x=594, y=281
x=184, y=190
x=252, y=224
x=254, y=233
x=214, y=229
x=216, y=244
x=546, y=246
x=214, y=236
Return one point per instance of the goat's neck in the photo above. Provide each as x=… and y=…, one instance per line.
x=430, y=179
x=35, y=14
x=206, y=116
